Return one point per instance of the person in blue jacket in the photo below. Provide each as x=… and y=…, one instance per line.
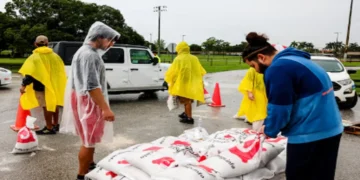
x=301, y=105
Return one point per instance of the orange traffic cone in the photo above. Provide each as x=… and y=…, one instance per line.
x=21, y=119
x=216, y=97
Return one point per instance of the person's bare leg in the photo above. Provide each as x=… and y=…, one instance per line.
x=56, y=117
x=85, y=158
x=188, y=110
x=48, y=118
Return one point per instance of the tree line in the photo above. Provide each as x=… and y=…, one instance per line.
x=60, y=20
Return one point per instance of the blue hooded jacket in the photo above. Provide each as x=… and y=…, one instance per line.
x=301, y=100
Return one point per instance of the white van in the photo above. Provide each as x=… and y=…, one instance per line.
x=344, y=87
x=129, y=68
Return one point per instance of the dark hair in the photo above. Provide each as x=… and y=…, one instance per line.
x=41, y=44
x=257, y=43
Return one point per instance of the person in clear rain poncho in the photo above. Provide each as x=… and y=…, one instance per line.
x=86, y=111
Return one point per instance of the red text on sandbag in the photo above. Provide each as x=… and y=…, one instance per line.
x=164, y=161
x=25, y=136
x=246, y=156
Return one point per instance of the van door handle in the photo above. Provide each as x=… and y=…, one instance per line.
x=109, y=69
x=134, y=69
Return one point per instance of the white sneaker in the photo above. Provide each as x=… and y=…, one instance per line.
x=239, y=117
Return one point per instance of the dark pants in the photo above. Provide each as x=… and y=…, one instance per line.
x=314, y=160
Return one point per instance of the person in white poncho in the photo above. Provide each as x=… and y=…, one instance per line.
x=86, y=110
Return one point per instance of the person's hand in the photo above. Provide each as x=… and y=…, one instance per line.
x=108, y=115
x=251, y=96
x=22, y=89
x=262, y=129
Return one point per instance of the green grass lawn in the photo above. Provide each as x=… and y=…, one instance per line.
x=214, y=64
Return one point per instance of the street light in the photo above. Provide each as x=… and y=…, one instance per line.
x=159, y=9
x=337, y=41
x=348, y=31
x=150, y=41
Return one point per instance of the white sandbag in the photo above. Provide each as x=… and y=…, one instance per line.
x=116, y=162
x=236, y=161
x=237, y=135
x=187, y=172
x=152, y=162
x=172, y=102
x=102, y=174
x=280, y=140
x=259, y=174
x=195, y=134
x=278, y=165
x=27, y=140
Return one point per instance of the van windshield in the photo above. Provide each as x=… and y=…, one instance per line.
x=330, y=65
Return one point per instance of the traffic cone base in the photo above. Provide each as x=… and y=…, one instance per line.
x=214, y=105
x=16, y=129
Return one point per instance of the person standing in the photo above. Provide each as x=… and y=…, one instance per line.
x=87, y=110
x=301, y=105
x=254, y=102
x=44, y=84
x=185, y=80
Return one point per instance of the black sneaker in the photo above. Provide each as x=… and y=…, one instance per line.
x=46, y=131
x=92, y=166
x=187, y=121
x=183, y=115
x=80, y=177
x=56, y=128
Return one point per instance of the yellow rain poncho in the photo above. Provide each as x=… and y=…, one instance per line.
x=253, y=110
x=47, y=67
x=185, y=75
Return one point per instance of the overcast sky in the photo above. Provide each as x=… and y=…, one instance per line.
x=282, y=20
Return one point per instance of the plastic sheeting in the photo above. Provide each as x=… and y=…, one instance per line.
x=185, y=75
x=81, y=115
x=48, y=68
x=255, y=110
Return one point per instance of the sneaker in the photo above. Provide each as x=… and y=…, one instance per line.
x=183, y=115
x=79, y=177
x=239, y=117
x=92, y=166
x=46, y=131
x=56, y=128
x=187, y=121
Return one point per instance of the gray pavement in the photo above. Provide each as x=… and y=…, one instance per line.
x=139, y=119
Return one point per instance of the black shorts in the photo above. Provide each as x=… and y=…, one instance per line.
x=314, y=160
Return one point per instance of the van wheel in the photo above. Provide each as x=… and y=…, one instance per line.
x=350, y=103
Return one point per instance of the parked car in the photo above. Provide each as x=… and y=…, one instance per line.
x=5, y=76
x=129, y=68
x=344, y=86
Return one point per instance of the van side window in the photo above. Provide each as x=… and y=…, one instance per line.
x=140, y=56
x=69, y=52
x=114, y=55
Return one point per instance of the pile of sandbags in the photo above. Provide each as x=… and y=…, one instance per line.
x=233, y=154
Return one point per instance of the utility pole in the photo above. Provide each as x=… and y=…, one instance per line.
x=348, y=31
x=183, y=37
x=150, y=41
x=159, y=9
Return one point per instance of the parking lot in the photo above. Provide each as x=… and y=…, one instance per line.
x=139, y=119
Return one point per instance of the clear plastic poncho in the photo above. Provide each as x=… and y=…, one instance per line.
x=185, y=75
x=255, y=110
x=81, y=116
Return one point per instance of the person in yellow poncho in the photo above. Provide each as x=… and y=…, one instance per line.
x=254, y=103
x=185, y=80
x=44, y=84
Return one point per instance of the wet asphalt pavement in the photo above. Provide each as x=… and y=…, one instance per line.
x=139, y=119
